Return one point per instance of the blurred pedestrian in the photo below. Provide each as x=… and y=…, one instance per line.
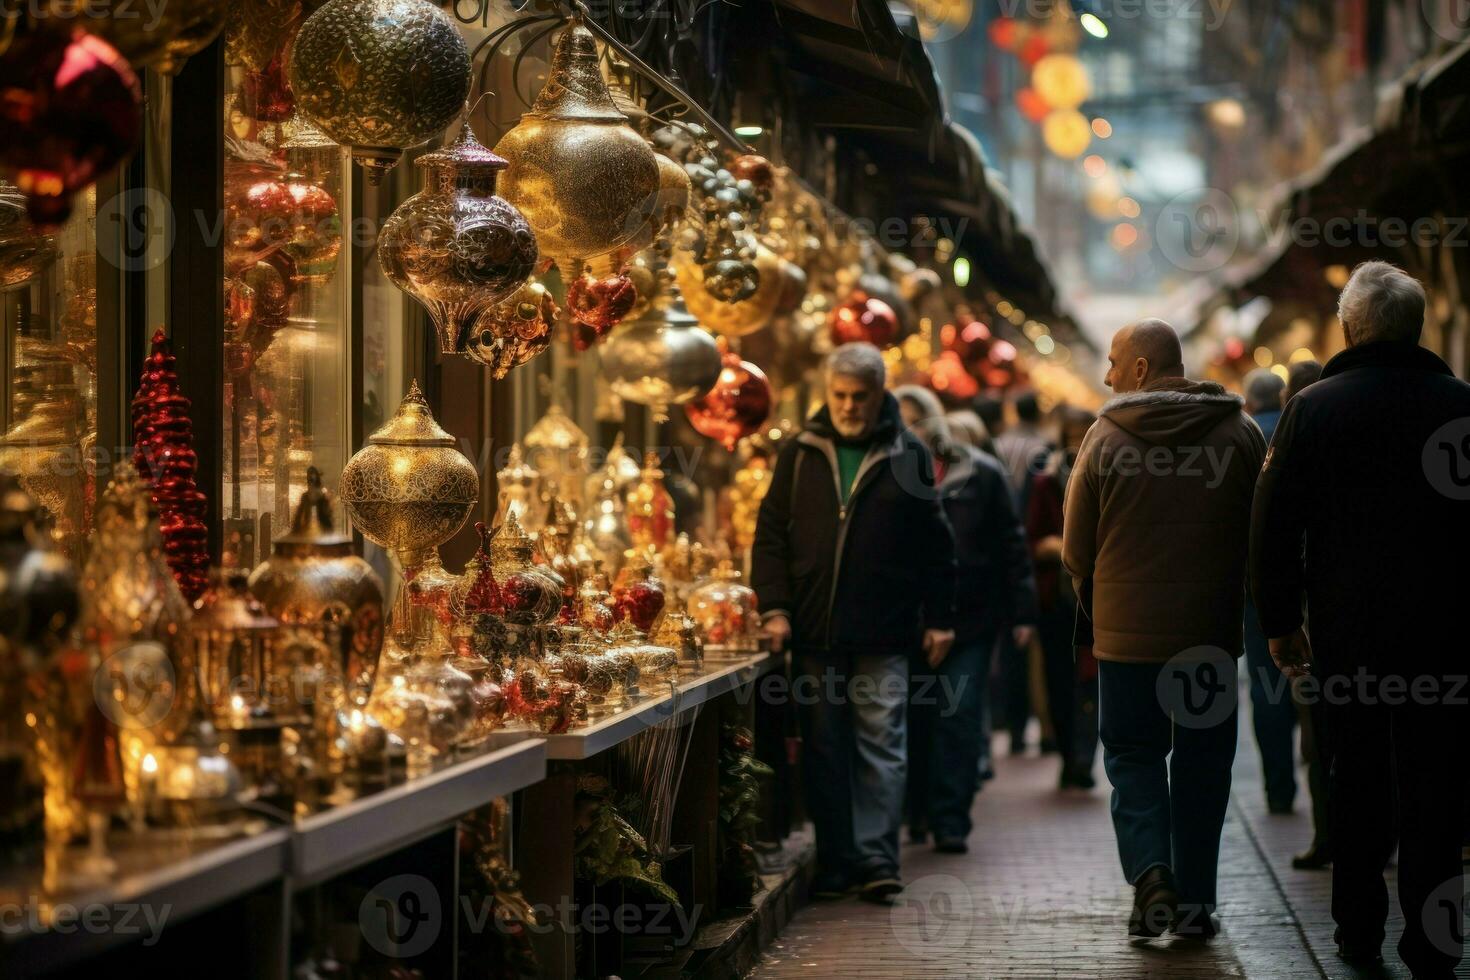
x=1157, y=511
x=1363, y=509
x=1023, y=450
x=1316, y=744
x=970, y=429
x=998, y=593
x=1071, y=685
x=1273, y=712
x=853, y=564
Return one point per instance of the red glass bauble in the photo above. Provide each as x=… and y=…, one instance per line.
x=258, y=212
x=639, y=603
x=71, y=110
x=599, y=304
x=736, y=406
x=866, y=319
x=756, y=169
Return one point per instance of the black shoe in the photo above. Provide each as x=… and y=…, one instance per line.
x=1280, y=808
x=944, y=844
x=828, y=886
x=918, y=834
x=1193, y=921
x=1356, y=953
x=879, y=887
x=1313, y=858
x=1075, y=778
x=1154, y=902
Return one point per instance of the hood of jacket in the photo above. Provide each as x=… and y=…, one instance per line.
x=1173, y=411
x=889, y=422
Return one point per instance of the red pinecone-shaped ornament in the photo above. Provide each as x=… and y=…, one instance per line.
x=163, y=452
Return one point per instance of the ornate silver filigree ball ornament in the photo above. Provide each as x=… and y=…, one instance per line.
x=455, y=246
x=380, y=76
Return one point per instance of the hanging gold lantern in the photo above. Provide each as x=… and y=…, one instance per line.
x=314, y=580
x=578, y=171
x=409, y=489
x=380, y=76
x=742, y=317
x=455, y=246
x=663, y=358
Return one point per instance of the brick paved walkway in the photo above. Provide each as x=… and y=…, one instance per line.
x=1040, y=895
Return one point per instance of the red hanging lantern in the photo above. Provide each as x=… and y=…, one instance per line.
x=71, y=109
x=736, y=406
x=864, y=318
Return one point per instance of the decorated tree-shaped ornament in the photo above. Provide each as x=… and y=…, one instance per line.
x=163, y=452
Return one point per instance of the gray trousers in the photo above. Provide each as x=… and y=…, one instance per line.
x=854, y=757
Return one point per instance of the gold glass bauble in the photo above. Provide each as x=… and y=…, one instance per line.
x=663, y=358
x=380, y=76
x=314, y=579
x=455, y=246
x=515, y=330
x=581, y=175
x=409, y=489
x=732, y=319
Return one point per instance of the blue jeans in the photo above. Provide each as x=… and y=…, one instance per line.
x=1273, y=714
x=1168, y=809
x=946, y=731
x=854, y=758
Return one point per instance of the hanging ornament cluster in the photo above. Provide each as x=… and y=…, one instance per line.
x=455, y=246
x=163, y=453
x=72, y=111
x=380, y=76
x=581, y=175
x=1059, y=82
x=737, y=404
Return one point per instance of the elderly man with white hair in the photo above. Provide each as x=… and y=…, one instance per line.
x=1359, y=535
x=853, y=563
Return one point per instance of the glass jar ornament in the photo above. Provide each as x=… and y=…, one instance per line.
x=530, y=594
x=520, y=490
x=380, y=76
x=72, y=111
x=726, y=613
x=678, y=631
x=409, y=489
x=650, y=508
x=606, y=528
x=235, y=647
x=558, y=448
x=421, y=723
x=455, y=246
x=578, y=171
x=736, y=406
x=314, y=580
x=594, y=603
x=638, y=596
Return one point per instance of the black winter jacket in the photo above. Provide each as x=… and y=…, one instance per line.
x=995, y=586
x=1363, y=507
x=865, y=578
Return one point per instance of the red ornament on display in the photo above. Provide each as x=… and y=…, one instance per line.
x=597, y=305
x=756, y=169
x=266, y=96
x=864, y=318
x=736, y=406
x=72, y=111
x=483, y=596
x=163, y=453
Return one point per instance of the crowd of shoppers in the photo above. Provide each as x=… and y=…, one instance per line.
x=904, y=554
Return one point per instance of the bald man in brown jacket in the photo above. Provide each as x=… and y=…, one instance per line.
x=1157, y=518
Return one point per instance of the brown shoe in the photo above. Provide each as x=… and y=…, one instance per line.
x=1154, y=903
